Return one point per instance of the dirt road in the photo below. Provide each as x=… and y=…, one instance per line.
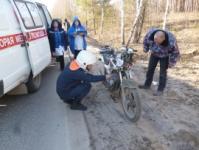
x=170, y=122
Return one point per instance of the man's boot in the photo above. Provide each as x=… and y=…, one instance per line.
x=76, y=105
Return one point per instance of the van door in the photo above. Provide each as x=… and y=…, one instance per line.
x=14, y=64
x=36, y=39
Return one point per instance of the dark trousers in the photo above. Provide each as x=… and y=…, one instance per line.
x=76, y=52
x=77, y=93
x=163, y=71
x=60, y=59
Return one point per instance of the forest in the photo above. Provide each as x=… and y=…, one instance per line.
x=118, y=18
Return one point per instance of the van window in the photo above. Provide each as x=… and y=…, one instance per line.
x=48, y=16
x=35, y=14
x=26, y=17
x=43, y=16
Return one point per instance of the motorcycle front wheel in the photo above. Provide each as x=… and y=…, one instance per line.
x=131, y=103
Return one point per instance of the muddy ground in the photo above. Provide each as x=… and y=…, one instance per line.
x=169, y=122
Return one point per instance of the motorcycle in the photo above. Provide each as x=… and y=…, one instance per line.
x=118, y=64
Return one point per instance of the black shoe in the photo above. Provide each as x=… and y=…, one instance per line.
x=144, y=87
x=68, y=102
x=78, y=106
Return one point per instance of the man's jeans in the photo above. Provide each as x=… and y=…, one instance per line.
x=163, y=71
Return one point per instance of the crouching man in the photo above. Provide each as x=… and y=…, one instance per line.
x=74, y=83
x=164, y=49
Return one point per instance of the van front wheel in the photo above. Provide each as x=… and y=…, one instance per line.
x=33, y=84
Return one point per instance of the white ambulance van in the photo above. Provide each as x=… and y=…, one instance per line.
x=24, y=45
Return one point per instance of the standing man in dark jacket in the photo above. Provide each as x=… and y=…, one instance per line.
x=58, y=41
x=164, y=49
x=74, y=83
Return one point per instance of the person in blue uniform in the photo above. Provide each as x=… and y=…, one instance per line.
x=74, y=83
x=77, y=36
x=58, y=42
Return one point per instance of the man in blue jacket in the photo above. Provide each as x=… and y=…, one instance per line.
x=74, y=83
x=164, y=49
x=77, y=36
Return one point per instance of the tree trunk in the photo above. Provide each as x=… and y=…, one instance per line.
x=137, y=6
x=102, y=19
x=94, y=18
x=165, y=15
x=86, y=13
x=137, y=24
x=122, y=23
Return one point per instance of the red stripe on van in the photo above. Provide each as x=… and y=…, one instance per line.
x=34, y=35
x=17, y=39
x=11, y=40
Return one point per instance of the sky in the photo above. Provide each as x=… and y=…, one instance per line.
x=48, y=3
